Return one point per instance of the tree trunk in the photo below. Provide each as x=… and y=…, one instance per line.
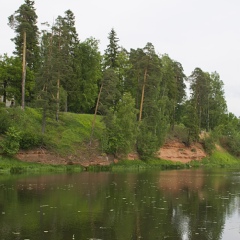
x=95, y=114
x=173, y=117
x=66, y=103
x=44, y=119
x=4, y=92
x=58, y=99
x=142, y=98
x=24, y=69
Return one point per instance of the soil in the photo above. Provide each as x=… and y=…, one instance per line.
x=179, y=152
x=172, y=150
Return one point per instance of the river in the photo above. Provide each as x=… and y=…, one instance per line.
x=177, y=204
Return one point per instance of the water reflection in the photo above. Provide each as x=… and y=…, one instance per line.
x=183, y=204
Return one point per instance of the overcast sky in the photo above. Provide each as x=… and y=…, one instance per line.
x=196, y=33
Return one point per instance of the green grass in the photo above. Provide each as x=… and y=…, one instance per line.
x=221, y=159
x=63, y=137
x=148, y=164
x=14, y=166
x=70, y=135
x=218, y=159
x=72, y=130
x=165, y=164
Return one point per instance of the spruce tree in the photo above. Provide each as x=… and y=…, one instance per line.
x=112, y=51
x=65, y=41
x=46, y=87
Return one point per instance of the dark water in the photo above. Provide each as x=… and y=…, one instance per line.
x=183, y=204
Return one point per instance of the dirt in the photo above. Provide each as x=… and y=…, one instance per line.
x=172, y=150
x=85, y=155
x=177, y=151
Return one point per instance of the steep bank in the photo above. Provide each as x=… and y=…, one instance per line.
x=178, y=151
x=172, y=150
x=84, y=157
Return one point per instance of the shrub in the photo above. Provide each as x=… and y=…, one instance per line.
x=232, y=144
x=180, y=132
x=4, y=120
x=2, y=105
x=10, y=144
x=30, y=140
x=147, y=145
x=209, y=144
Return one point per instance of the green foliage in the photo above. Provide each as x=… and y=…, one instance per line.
x=64, y=137
x=209, y=143
x=112, y=51
x=228, y=134
x=129, y=165
x=68, y=76
x=148, y=164
x=2, y=105
x=172, y=86
x=191, y=121
x=220, y=159
x=10, y=144
x=71, y=132
x=14, y=166
x=4, y=120
x=179, y=132
x=121, y=127
x=147, y=143
x=110, y=94
x=207, y=99
x=30, y=139
x=10, y=79
x=232, y=144
x=84, y=87
x=165, y=164
x=24, y=19
x=17, y=170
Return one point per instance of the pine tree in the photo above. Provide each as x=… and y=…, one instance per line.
x=24, y=21
x=143, y=82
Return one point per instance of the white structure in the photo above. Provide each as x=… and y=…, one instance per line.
x=9, y=103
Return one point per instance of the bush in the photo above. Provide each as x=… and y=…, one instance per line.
x=147, y=145
x=180, y=132
x=10, y=144
x=209, y=144
x=2, y=105
x=232, y=144
x=30, y=140
x=16, y=170
x=4, y=120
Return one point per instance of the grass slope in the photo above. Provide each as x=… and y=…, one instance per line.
x=70, y=135
x=63, y=136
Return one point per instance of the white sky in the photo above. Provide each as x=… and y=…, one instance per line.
x=197, y=33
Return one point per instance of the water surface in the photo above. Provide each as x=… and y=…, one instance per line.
x=181, y=204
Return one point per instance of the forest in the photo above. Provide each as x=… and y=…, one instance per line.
x=140, y=95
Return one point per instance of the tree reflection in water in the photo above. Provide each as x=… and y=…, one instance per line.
x=183, y=204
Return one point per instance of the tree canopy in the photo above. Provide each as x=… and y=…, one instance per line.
x=141, y=94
